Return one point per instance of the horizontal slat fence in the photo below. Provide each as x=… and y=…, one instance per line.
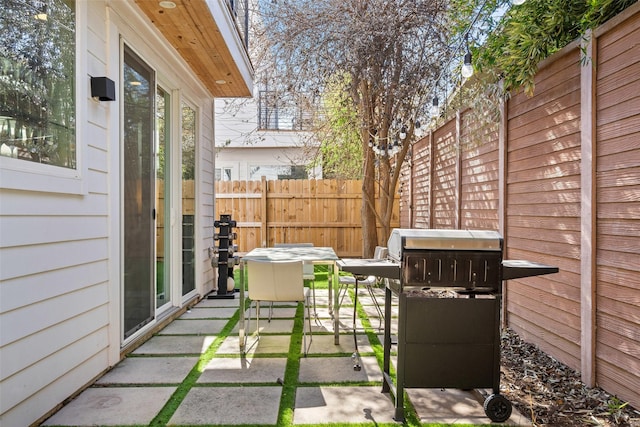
x=618, y=209
x=559, y=176
x=322, y=212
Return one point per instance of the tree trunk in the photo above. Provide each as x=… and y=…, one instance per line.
x=367, y=214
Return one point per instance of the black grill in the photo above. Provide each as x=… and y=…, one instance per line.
x=449, y=286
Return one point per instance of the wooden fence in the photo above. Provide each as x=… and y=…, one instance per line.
x=323, y=212
x=560, y=178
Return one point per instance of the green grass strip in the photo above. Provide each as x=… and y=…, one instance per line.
x=292, y=370
x=178, y=396
x=410, y=415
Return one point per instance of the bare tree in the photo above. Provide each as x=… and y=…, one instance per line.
x=388, y=53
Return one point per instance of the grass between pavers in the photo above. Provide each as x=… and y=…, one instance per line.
x=292, y=370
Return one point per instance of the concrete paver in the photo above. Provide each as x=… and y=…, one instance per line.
x=278, y=312
x=268, y=327
x=149, y=370
x=325, y=344
x=229, y=406
x=338, y=369
x=209, y=313
x=267, y=344
x=238, y=370
x=113, y=406
x=179, y=344
x=452, y=406
x=194, y=327
x=230, y=302
x=324, y=405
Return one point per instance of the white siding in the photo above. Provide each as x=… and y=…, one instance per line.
x=60, y=252
x=205, y=175
x=54, y=271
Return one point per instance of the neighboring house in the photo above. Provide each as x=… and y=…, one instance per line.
x=269, y=135
x=106, y=205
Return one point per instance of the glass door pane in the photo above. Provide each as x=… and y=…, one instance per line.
x=188, y=198
x=163, y=229
x=139, y=193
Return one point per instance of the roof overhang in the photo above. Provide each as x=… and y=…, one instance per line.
x=207, y=38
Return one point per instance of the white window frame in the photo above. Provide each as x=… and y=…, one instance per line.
x=224, y=172
x=23, y=175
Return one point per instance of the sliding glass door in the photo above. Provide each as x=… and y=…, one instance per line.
x=159, y=163
x=139, y=193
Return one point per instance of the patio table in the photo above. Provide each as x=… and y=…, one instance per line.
x=316, y=255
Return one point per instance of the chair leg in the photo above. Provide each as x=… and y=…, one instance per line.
x=313, y=293
x=342, y=290
x=315, y=311
x=306, y=319
x=253, y=304
x=377, y=306
x=258, y=319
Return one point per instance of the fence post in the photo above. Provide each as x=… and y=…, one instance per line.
x=588, y=210
x=431, y=175
x=458, y=144
x=263, y=208
x=502, y=194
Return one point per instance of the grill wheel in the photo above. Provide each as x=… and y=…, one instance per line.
x=497, y=408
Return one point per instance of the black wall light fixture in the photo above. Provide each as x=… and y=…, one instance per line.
x=103, y=88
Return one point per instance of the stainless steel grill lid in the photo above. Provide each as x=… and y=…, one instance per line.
x=402, y=239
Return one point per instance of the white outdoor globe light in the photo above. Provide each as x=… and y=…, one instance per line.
x=518, y=2
x=467, y=67
x=403, y=132
x=435, y=109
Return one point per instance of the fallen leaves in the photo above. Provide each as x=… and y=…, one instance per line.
x=552, y=394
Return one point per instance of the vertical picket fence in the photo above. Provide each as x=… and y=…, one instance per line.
x=323, y=212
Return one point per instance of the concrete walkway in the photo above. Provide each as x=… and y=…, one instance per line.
x=200, y=386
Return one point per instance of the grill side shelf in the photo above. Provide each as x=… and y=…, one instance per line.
x=517, y=269
x=370, y=267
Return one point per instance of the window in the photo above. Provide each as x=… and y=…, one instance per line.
x=223, y=174
x=37, y=81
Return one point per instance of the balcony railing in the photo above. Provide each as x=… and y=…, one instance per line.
x=240, y=11
x=283, y=111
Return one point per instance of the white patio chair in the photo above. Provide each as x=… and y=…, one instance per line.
x=277, y=281
x=308, y=270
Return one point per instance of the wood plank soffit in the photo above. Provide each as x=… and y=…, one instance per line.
x=192, y=30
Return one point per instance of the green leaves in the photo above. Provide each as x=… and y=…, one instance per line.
x=535, y=30
x=341, y=145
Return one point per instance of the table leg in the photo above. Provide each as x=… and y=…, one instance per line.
x=335, y=310
x=386, y=363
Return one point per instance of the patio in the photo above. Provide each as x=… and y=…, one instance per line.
x=192, y=373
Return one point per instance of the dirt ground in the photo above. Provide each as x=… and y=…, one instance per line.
x=551, y=394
